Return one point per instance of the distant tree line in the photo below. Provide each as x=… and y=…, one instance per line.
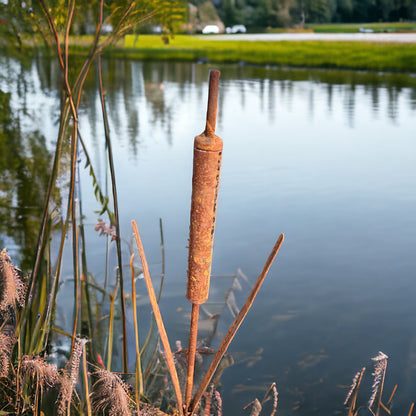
x=285, y=13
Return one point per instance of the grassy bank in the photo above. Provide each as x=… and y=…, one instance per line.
x=317, y=54
x=356, y=27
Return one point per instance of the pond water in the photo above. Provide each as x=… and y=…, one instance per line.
x=327, y=157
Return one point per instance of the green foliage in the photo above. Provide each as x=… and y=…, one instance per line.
x=22, y=21
x=284, y=13
x=229, y=14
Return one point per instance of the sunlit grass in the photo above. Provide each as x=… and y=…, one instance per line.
x=353, y=55
x=355, y=27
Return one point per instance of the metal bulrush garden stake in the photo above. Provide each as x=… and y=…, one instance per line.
x=205, y=183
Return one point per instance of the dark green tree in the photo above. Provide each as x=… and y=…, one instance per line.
x=229, y=13
x=313, y=11
x=343, y=11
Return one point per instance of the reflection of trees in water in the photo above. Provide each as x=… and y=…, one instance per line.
x=24, y=171
x=375, y=98
x=349, y=103
x=329, y=96
x=155, y=90
x=393, y=102
x=413, y=99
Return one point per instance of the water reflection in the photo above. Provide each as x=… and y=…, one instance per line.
x=325, y=156
x=127, y=81
x=24, y=170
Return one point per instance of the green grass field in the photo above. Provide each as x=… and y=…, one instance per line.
x=355, y=27
x=317, y=54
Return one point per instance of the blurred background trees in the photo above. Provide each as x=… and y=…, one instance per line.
x=285, y=13
x=19, y=17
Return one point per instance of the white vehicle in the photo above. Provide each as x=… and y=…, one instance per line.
x=211, y=30
x=236, y=29
x=364, y=30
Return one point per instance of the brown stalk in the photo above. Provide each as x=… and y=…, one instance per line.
x=235, y=325
x=383, y=406
x=159, y=321
x=354, y=392
x=392, y=395
x=138, y=385
x=255, y=407
x=272, y=389
x=411, y=409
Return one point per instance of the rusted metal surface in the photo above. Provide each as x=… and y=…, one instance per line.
x=193, y=338
x=205, y=183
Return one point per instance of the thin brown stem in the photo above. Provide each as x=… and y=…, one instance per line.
x=139, y=377
x=381, y=392
x=159, y=321
x=392, y=395
x=75, y=243
x=352, y=408
x=85, y=379
x=235, y=325
x=193, y=337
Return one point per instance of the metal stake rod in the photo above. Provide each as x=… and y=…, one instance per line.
x=205, y=183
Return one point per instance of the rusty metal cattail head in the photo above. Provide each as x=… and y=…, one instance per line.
x=205, y=183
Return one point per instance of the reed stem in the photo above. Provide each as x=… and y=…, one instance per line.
x=86, y=380
x=139, y=376
x=234, y=326
x=170, y=362
x=110, y=333
x=116, y=215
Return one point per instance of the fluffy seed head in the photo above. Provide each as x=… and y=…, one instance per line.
x=110, y=395
x=12, y=286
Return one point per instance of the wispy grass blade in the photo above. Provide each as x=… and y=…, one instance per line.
x=162, y=332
